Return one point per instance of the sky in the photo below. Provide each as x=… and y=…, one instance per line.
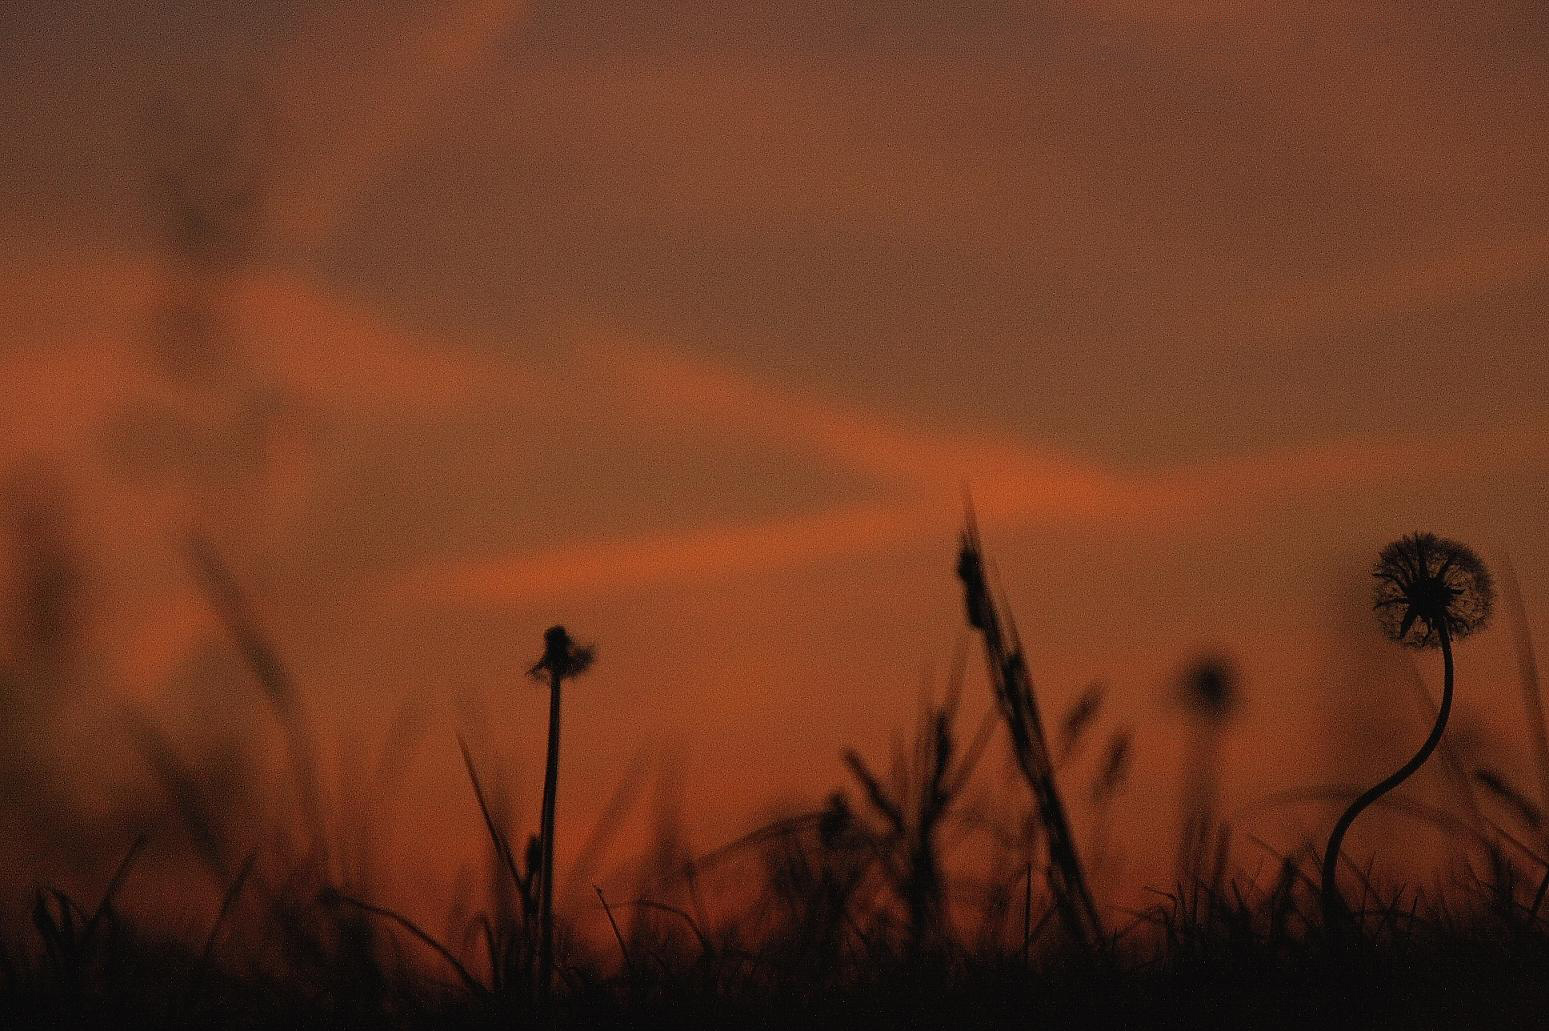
x=687, y=324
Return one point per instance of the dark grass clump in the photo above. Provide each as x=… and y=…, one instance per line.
x=862, y=913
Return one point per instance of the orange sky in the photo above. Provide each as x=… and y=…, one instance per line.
x=685, y=324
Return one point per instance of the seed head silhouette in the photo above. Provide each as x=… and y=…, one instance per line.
x=1210, y=689
x=1427, y=584
x=1209, y=694
x=1430, y=591
x=562, y=657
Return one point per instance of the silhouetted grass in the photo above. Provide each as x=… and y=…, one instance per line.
x=853, y=915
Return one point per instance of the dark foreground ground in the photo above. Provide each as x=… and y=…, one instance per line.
x=1463, y=981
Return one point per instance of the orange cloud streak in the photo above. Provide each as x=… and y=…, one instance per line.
x=1015, y=483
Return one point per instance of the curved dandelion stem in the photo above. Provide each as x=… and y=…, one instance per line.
x=1335, y=913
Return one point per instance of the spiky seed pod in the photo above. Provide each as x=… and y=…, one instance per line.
x=1427, y=583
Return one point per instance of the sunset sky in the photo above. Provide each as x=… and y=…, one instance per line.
x=687, y=323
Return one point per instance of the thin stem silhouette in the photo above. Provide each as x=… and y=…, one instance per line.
x=562, y=659
x=546, y=836
x=1018, y=706
x=1335, y=912
x=1429, y=592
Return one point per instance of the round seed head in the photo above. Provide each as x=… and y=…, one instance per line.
x=1210, y=688
x=1427, y=584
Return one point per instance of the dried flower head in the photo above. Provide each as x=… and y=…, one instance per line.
x=1209, y=688
x=562, y=657
x=1427, y=584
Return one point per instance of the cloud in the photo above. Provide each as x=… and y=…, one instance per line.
x=343, y=361
x=917, y=475
x=607, y=566
x=244, y=450
x=1186, y=12
x=358, y=84
x=665, y=385
x=80, y=321
x=1457, y=275
x=339, y=355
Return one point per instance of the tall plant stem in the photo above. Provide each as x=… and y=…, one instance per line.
x=1334, y=910
x=1018, y=705
x=546, y=839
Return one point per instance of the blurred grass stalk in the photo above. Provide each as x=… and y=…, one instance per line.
x=1013, y=689
x=1532, y=691
x=236, y=615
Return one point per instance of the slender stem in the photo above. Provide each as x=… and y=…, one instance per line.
x=618, y=935
x=1199, y=804
x=1027, y=914
x=546, y=837
x=1019, y=708
x=1334, y=909
x=1532, y=697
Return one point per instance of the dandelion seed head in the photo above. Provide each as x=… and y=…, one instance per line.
x=1210, y=688
x=562, y=657
x=1426, y=584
